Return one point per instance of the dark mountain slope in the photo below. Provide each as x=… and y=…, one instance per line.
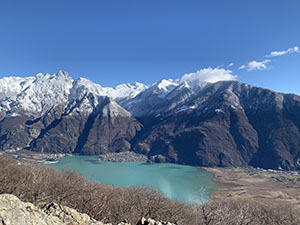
x=229, y=124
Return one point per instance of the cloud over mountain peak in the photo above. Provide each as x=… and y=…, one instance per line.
x=210, y=75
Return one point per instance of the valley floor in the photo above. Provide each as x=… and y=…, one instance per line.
x=265, y=186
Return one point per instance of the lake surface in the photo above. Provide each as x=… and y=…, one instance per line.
x=184, y=183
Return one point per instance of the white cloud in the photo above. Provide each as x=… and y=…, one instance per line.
x=242, y=67
x=254, y=65
x=262, y=65
x=230, y=65
x=211, y=75
x=288, y=51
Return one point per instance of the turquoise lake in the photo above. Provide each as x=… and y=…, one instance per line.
x=184, y=183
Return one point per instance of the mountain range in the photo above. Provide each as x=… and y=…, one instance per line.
x=188, y=120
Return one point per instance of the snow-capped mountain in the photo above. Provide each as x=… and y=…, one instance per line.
x=56, y=113
x=124, y=91
x=197, y=119
x=163, y=96
x=35, y=95
x=38, y=94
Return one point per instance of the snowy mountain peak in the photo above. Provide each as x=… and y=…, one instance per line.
x=62, y=74
x=123, y=91
x=166, y=85
x=85, y=85
x=37, y=94
x=44, y=92
x=54, y=113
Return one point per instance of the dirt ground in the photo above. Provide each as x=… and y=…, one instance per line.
x=267, y=187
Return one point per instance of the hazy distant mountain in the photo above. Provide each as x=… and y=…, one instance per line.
x=189, y=121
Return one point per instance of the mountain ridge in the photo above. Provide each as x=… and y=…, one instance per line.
x=188, y=120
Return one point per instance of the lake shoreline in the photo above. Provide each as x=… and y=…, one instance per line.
x=50, y=158
x=267, y=186
x=187, y=184
x=34, y=157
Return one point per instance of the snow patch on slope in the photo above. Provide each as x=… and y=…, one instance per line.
x=125, y=90
x=82, y=86
x=44, y=92
x=34, y=95
x=162, y=88
x=113, y=109
x=10, y=87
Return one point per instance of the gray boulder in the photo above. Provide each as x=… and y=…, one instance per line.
x=15, y=212
x=150, y=221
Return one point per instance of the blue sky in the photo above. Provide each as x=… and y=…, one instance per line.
x=113, y=42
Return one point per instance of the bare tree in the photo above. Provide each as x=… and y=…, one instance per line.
x=41, y=185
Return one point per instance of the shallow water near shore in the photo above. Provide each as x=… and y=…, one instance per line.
x=184, y=183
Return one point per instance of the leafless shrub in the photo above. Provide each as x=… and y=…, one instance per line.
x=41, y=185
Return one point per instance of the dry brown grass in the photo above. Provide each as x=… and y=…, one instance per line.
x=110, y=204
x=261, y=186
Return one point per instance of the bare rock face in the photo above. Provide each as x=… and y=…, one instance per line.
x=15, y=212
x=108, y=128
x=150, y=221
x=68, y=215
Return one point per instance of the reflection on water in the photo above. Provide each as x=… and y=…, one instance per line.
x=181, y=182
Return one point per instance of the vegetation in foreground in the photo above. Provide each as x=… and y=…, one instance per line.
x=36, y=184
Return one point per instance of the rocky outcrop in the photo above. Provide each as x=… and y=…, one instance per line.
x=150, y=221
x=68, y=215
x=15, y=212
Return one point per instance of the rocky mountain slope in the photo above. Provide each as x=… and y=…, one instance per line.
x=54, y=113
x=189, y=120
